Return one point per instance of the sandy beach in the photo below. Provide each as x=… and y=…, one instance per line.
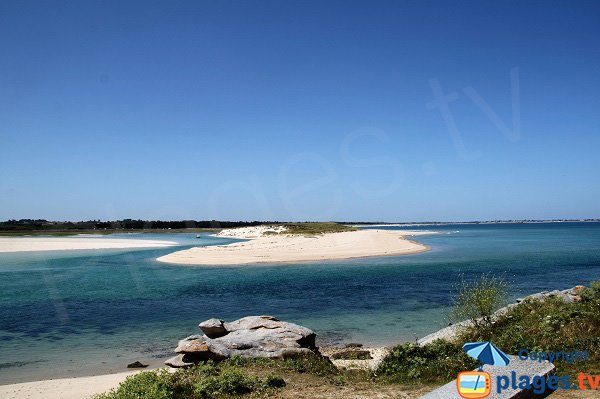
x=23, y=244
x=264, y=245
x=64, y=388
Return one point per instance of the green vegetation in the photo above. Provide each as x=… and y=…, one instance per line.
x=205, y=381
x=551, y=325
x=44, y=227
x=314, y=228
x=354, y=354
x=477, y=301
x=231, y=378
x=438, y=362
x=309, y=364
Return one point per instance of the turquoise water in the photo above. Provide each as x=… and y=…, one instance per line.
x=86, y=312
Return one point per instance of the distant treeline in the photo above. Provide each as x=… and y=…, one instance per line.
x=125, y=224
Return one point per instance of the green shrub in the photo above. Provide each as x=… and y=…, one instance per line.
x=314, y=228
x=551, y=325
x=439, y=361
x=477, y=301
x=203, y=381
x=311, y=364
x=145, y=385
x=274, y=381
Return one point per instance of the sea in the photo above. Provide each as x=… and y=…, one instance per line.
x=89, y=312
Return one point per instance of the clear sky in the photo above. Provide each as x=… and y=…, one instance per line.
x=324, y=110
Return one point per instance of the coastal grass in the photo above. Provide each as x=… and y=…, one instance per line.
x=550, y=325
x=477, y=300
x=438, y=362
x=204, y=381
x=234, y=377
x=315, y=228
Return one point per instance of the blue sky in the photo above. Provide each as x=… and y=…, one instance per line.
x=299, y=110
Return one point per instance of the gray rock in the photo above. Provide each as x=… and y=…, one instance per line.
x=449, y=333
x=181, y=360
x=136, y=365
x=253, y=336
x=213, y=328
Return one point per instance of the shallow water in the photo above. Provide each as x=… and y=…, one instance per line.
x=71, y=313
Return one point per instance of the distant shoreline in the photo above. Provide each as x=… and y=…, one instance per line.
x=29, y=227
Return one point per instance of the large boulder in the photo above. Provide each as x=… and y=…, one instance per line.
x=213, y=328
x=252, y=336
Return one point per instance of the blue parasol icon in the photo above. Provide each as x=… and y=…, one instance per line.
x=486, y=353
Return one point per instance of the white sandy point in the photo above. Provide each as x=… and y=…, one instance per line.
x=297, y=248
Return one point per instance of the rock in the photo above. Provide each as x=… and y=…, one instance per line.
x=569, y=295
x=252, y=336
x=578, y=289
x=213, y=328
x=136, y=365
x=181, y=360
x=449, y=333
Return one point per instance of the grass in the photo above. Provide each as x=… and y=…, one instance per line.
x=551, y=325
x=438, y=362
x=204, y=381
x=352, y=354
x=231, y=378
x=309, y=364
x=315, y=228
x=477, y=300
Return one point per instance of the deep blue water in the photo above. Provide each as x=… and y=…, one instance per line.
x=85, y=312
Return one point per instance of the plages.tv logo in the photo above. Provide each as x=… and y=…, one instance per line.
x=478, y=384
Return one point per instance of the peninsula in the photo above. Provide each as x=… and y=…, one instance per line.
x=300, y=242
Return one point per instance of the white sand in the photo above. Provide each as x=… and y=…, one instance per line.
x=295, y=248
x=22, y=244
x=64, y=388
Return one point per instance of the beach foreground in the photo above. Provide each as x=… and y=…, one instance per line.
x=267, y=244
x=23, y=244
x=64, y=388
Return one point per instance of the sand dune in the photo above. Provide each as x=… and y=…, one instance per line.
x=261, y=248
x=22, y=244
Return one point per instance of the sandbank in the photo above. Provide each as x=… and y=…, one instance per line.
x=262, y=247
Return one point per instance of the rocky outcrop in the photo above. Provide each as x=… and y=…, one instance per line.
x=213, y=328
x=570, y=295
x=252, y=336
x=136, y=365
